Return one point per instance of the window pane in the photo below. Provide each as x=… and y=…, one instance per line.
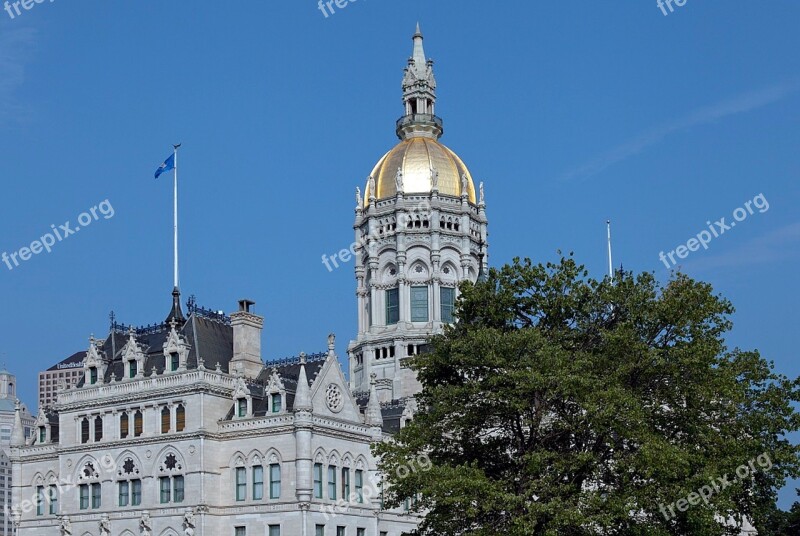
x=96, y=496
x=39, y=501
x=84, y=493
x=98, y=428
x=332, y=482
x=242, y=407
x=240, y=531
x=133, y=369
x=392, y=306
x=123, y=494
x=180, y=418
x=448, y=296
x=345, y=483
x=318, y=480
x=165, y=420
x=136, y=498
x=275, y=481
x=177, y=485
x=274, y=530
x=320, y=530
x=359, y=485
x=165, y=487
x=123, y=426
x=85, y=431
x=53, y=500
x=138, y=424
x=276, y=403
x=258, y=483
x=419, y=304
x=241, y=484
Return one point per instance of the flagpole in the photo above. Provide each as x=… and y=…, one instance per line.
x=610, y=265
x=175, y=214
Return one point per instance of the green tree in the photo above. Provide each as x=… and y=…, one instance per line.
x=563, y=405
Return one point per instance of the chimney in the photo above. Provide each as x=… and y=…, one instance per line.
x=246, y=341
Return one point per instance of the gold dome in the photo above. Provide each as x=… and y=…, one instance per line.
x=417, y=156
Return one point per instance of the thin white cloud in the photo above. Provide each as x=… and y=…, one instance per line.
x=15, y=46
x=740, y=104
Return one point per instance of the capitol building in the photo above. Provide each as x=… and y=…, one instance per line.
x=185, y=428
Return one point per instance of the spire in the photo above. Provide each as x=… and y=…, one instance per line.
x=302, y=398
x=176, y=314
x=373, y=415
x=419, y=96
x=18, y=435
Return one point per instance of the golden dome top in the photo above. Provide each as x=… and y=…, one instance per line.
x=417, y=157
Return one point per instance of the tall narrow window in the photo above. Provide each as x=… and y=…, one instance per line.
x=178, y=489
x=84, y=430
x=136, y=492
x=318, y=480
x=174, y=361
x=275, y=481
x=332, y=482
x=124, y=493
x=180, y=418
x=392, y=306
x=138, y=423
x=241, y=404
x=124, y=426
x=133, y=369
x=97, y=496
x=42, y=434
x=92, y=375
x=165, y=420
x=345, y=483
x=84, y=496
x=40, y=501
x=258, y=482
x=98, y=429
x=165, y=488
x=448, y=296
x=359, y=485
x=241, y=484
x=419, y=304
x=276, y=403
x=53, y=495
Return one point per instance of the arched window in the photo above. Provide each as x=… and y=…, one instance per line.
x=165, y=420
x=84, y=430
x=124, y=425
x=180, y=418
x=138, y=423
x=98, y=428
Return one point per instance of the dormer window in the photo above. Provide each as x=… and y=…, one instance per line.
x=276, y=403
x=92, y=375
x=241, y=405
x=42, y=434
x=174, y=361
x=133, y=369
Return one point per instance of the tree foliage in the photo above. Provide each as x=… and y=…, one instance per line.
x=563, y=405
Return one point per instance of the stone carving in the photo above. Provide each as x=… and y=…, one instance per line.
x=371, y=187
x=334, y=398
x=434, y=179
x=146, y=524
x=105, y=526
x=398, y=179
x=188, y=522
x=481, y=187
x=464, y=185
x=66, y=526
x=359, y=200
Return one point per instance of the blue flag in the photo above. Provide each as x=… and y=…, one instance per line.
x=169, y=164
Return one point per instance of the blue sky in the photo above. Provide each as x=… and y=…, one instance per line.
x=571, y=112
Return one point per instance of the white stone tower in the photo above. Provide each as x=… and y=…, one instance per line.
x=421, y=229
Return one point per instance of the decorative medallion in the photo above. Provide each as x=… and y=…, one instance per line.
x=334, y=398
